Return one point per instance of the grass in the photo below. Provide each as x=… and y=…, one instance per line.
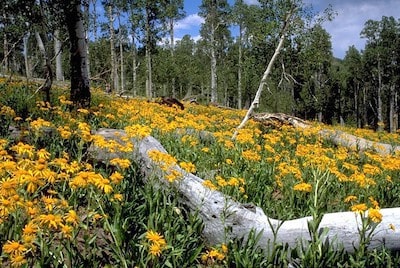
x=60, y=209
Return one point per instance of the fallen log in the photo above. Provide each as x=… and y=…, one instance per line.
x=336, y=136
x=225, y=219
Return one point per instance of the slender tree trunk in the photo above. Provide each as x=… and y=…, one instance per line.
x=26, y=55
x=364, y=110
x=396, y=112
x=57, y=52
x=172, y=48
x=214, y=93
x=121, y=56
x=392, y=112
x=80, y=83
x=86, y=10
x=47, y=66
x=240, y=59
x=93, y=61
x=134, y=67
x=149, y=82
x=379, y=97
x=114, y=69
x=6, y=53
x=357, y=105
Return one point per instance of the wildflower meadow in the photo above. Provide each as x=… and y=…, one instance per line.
x=59, y=208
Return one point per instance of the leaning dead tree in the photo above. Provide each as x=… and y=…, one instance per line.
x=226, y=219
x=263, y=81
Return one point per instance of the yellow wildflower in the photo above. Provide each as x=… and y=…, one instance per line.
x=303, y=187
x=155, y=237
x=121, y=163
x=350, y=198
x=116, y=177
x=173, y=175
x=51, y=220
x=18, y=260
x=14, y=248
x=155, y=249
x=209, y=184
x=30, y=228
x=359, y=208
x=72, y=217
x=66, y=231
x=375, y=215
x=188, y=167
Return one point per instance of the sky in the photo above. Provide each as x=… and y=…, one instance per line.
x=344, y=29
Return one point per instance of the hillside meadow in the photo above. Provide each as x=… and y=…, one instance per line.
x=58, y=208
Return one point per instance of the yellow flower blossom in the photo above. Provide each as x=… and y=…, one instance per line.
x=14, y=248
x=350, y=198
x=360, y=208
x=155, y=249
x=30, y=228
x=116, y=177
x=251, y=155
x=209, y=184
x=17, y=260
x=303, y=187
x=138, y=131
x=66, y=231
x=72, y=218
x=188, y=167
x=375, y=215
x=173, y=175
x=121, y=163
x=50, y=220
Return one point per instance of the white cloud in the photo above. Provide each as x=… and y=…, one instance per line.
x=190, y=21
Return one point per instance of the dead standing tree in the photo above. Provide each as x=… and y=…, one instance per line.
x=256, y=101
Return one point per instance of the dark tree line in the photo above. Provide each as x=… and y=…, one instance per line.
x=130, y=49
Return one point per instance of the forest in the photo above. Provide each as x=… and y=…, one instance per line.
x=131, y=50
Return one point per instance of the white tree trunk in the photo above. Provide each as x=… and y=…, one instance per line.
x=213, y=68
x=57, y=52
x=114, y=68
x=26, y=55
x=226, y=219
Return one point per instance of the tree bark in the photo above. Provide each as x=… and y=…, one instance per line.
x=80, y=83
x=149, y=80
x=47, y=66
x=26, y=56
x=240, y=59
x=6, y=53
x=213, y=67
x=114, y=68
x=226, y=219
x=57, y=52
x=379, y=96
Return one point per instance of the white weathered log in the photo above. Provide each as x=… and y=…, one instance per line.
x=225, y=218
x=336, y=136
